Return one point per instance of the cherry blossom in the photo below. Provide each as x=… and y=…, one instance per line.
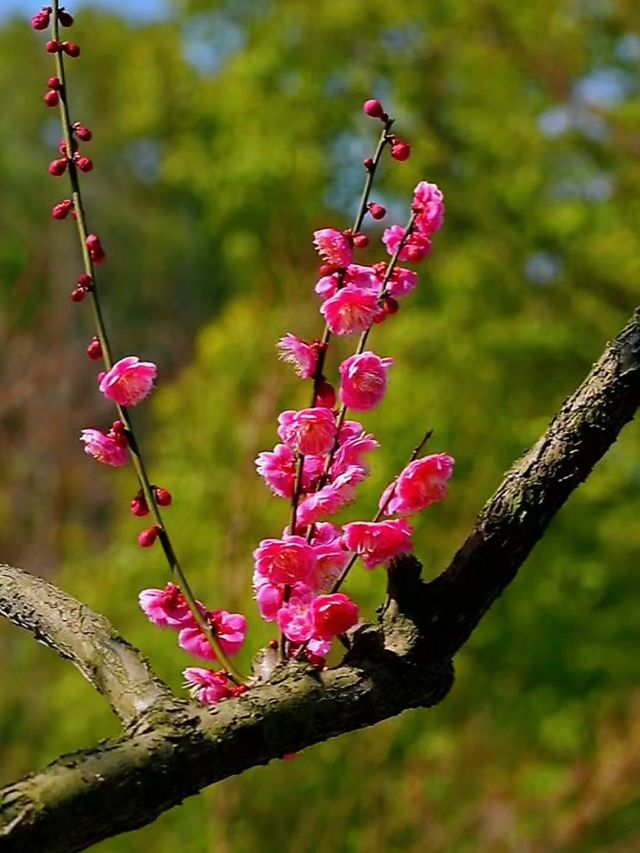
x=129, y=381
x=378, y=542
x=422, y=483
x=106, y=448
x=364, y=380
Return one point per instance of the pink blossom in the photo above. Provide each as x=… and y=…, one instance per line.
x=350, y=310
x=355, y=274
x=364, y=380
x=303, y=356
x=378, y=542
x=108, y=449
x=325, y=533
x=332, y=497
x=333, y=247
x=422, y=483
x=401, y=283
x=428, y=202
x=129, y=381
x=285, y=561
x=228, y=628
x=269, y=597
x=207, y=686
x=295, y=620
x=351, y=452
x=317, y=651
x=166, y=608
x=416, y=248
x=333, y=615
x=309, y=431
x=278, y=468
x=331, y=561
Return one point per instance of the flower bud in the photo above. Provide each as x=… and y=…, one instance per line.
x=149, y=536
x=54, y=83
x=325, y=395
x=117, y=425
x=78, y=294
x=360, y=241
x=70, y=48
x=40, y=20
x=52, y=99
x=389, y=305
x=373, y=108
x=62, y=209
x=368, y=164
x=94, y=350
x=66, y=20
x=57, y=167
x=139, y=506
x=400, y=150
x=328, y=269
x=377, y=211
x=85, y=164
x=163, y=497
x=84, y=280
x=82, y=132
x=52, y=46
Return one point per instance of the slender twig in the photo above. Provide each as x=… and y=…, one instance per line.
x=123, y=414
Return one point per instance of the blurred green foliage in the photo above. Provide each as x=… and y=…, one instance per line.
x=223, y=136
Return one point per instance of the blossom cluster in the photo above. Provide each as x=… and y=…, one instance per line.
x=322, y=455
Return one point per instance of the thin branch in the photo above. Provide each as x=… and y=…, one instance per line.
x=123, y=784
x=75, y=632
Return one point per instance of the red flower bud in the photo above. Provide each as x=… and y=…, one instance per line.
x=62, y=209
x=78, y=294
x=70, y=48
x=52, y=46
x=328, y=269
x=84, y=280
x=373, y=108
x=40, y=20
x=389, y=305
x=62, y=147
x=325, y=395
x=368, y=164
x=163, y=497
x=66, y=20
x=52, y=99
x=139, y=506
x=377, y=211
x=117, y=425
x=54, y=83
x=93, y=242
x=98, y=256
x=57, y=167
x=84, y=163
x=149, y=536
x=360, y=241
x=400, y=150
x=82, y=132
x=94, y=350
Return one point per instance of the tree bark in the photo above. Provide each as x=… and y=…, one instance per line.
x=175, y=748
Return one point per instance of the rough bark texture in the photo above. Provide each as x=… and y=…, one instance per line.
x=175, y=748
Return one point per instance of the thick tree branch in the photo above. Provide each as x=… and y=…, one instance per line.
x=56, y=619
x=125, y=783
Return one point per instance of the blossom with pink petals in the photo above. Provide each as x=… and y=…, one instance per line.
x=207, y=686
x=333, y=615
x=416, y=248
x=129, y=381
x=422, y=483
x=350, y=310
x=278, y=468
x=303, y=356
x=428, y=202
x=166, y=608
x=352, y=450
x=378, y=542
x=355, y=274
x=108, y=449
x=332, y=497
x=228, y=628
x=331, y=561
x=401, y=283
x=364, y=380
x=295, y=620
x=308, y=431
x=288, y=560
x=333, y=247
x=317, y=651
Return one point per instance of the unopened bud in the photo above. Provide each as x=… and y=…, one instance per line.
x=325, y=395
x=84, y=280
x=66, y=20
x=139, y=506
x=57, y=167
x=82, y=132
x=85, y=164
x=62, y=209
x=52, y=99
x=40, y=20
x=377, y=211
x=52, y=46
x=149, y=536
x=54, y=83
x=94, y=350
x=163, y=497
x=368, y=164
x=400, y=150
x=70, y=48
x=78, y=294
x=360, y=241
x=373, y=108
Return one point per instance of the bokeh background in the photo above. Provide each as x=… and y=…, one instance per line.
x=225, y=132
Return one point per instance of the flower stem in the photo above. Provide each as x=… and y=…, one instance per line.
x=123, y=414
